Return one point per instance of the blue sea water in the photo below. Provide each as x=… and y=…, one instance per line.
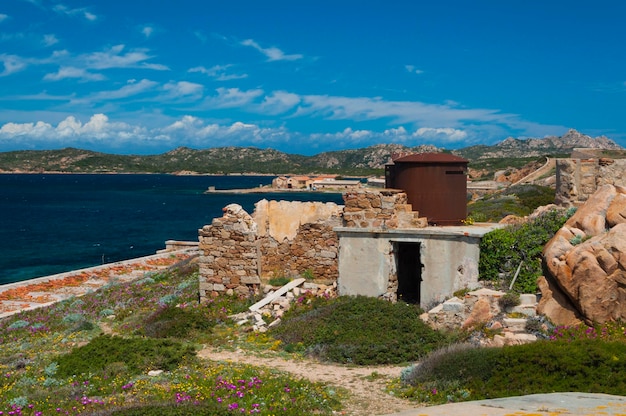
x=52, y=223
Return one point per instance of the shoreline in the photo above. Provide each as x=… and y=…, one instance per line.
x=42, y=291
x=264, y=190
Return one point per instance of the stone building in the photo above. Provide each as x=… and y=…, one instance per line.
x=579, y=178
x=375, y=245
x=279, y=239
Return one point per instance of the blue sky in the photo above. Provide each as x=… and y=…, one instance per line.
x=147, y=76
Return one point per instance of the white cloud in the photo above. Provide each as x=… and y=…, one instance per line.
x=49, y=40
x=219, y=72
x=233, y=97
x=129, y=90
x=279, y=102
x=12, y=64
x=147, y=31
x=412, y=69
x=201, y=36
x=400, y=112
x=184, y=89
x=97, y=132
x=72, y=72
x=441, y=134
x=272, y=53
x=3, y=17
x=114, y=58
x=80, y=12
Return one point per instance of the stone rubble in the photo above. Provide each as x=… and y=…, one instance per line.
x=268, y=312
x=480, y=309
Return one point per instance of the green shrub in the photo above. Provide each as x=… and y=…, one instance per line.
x=520, y=200
x=359, y=330
x=176, y=322
x=19, y=324
x=509, y=300
x=279, y=281
x=308, y=274
x=588, y=365
x=169, y=409
x=138, y=354
x=73, y=318
x=503, y=250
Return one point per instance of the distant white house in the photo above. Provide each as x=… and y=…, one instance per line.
x=313, y=182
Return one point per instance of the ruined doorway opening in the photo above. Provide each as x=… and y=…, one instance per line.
x=409, y=271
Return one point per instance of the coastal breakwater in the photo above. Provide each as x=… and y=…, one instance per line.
x=47, y=290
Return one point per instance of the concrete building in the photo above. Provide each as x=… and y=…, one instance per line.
x=417, y=265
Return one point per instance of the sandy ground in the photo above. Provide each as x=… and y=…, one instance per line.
x=366, y=385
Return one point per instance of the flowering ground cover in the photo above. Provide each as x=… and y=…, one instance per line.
x=57, y=360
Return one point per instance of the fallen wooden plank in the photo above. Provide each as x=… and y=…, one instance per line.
x=277, y=294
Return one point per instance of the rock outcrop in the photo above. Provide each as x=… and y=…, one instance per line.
x=481, y=311
x=587, y=257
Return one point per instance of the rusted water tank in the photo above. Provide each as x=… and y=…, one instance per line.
x=435, y=184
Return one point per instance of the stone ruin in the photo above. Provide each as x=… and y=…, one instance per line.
x=482, y=308
x=578, y=179
x=281, y=238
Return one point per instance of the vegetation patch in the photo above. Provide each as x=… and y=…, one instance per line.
x=138, y=355
x=178, y=322
x=519, y=200
x=359, y=330
x=44, y=372
x=583, y=365
x=504, y=250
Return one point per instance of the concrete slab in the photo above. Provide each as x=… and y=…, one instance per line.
x=580, y=404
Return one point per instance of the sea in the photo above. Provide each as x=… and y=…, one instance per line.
x=53, y=223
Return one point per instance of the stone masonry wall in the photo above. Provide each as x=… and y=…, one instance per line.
x=229, y=256
x=314, y=251
x=290, y=239
x=577, y=179
x=386, y=208
x=281, y=238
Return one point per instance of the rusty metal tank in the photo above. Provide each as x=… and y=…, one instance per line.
x=435, y=184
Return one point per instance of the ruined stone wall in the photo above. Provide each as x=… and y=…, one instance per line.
x=291, y=239
x=229, y=257
x=313, y=253
x=577, y=179
x=280, y=239
x=384, y=209
x=297, y=237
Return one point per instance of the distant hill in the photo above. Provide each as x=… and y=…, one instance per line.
x=227, y=160
x=553, y=145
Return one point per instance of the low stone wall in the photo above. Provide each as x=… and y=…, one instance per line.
x=387, y=208
x=578, y=179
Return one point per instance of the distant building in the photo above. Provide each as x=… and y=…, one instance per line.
x=313, y=182
x=335, y=184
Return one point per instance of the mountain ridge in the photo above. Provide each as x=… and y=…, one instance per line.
x=231, y=159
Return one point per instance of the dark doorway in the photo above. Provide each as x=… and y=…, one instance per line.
x=409, y=269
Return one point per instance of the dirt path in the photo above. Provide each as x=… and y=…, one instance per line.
x=365, y=384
